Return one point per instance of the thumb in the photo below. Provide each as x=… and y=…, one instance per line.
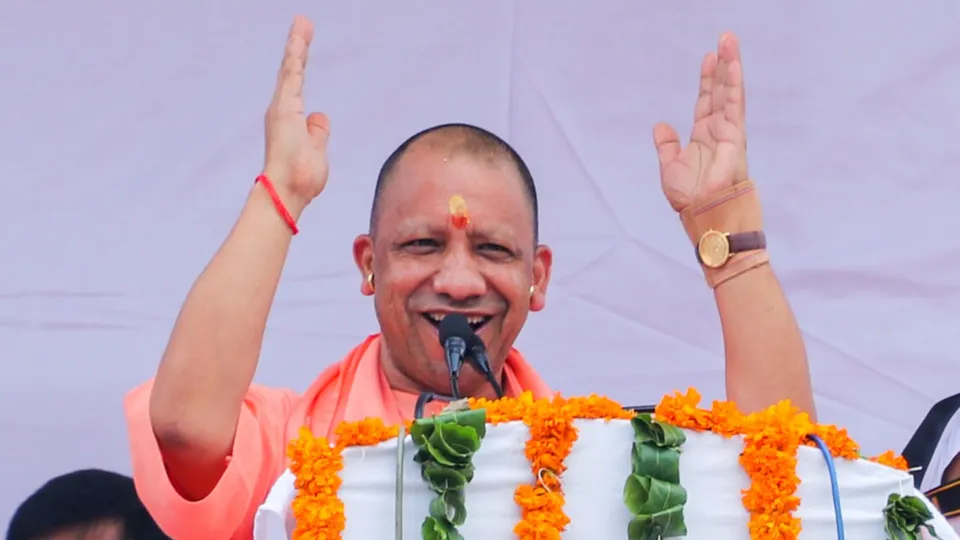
x=318, y=126
x=667, y=141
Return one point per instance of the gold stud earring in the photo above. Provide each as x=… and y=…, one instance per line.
x=370, y=282
x=533, y=289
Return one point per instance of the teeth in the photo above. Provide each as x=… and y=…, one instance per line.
x=437, y=317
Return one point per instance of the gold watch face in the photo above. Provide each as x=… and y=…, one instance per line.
x=714, y=249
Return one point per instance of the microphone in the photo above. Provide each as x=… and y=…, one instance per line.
x=454, y=333
x=478, y=353
x=642, y=409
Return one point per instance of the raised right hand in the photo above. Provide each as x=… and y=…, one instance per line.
x=296, y=146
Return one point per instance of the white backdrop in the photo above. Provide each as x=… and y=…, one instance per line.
x=131, y=133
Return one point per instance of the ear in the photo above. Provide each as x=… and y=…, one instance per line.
x=363, y=256
x=542, y=266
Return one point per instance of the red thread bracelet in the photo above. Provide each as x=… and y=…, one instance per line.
x=281, y=208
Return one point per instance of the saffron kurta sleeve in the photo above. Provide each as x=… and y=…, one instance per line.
x=256, y=461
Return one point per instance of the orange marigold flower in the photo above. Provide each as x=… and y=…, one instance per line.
x=682, y=410
x=316, y=464
x=890, y=459
x=838, y=441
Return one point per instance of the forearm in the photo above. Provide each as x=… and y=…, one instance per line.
x=765, y=356
x=212, y=355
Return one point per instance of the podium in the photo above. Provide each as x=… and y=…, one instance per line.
x=385, y=495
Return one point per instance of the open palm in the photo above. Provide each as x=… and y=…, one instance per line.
x=296, y=143
x=716, y=156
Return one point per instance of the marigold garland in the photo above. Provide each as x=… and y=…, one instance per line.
x=771, y=440
x=316, y=464
x=552, y=435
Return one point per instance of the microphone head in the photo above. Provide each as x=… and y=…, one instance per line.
x=455, y=325
x=475, y=343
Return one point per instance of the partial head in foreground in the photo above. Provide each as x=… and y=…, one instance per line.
x=420, y=261
x=88, y=504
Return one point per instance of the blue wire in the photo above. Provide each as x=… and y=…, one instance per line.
x=834, y=483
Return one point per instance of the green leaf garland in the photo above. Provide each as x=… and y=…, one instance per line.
x=445, y=447
x=652, y=492
x=905, y=516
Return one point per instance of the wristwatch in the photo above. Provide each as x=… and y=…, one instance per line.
x=715, y=248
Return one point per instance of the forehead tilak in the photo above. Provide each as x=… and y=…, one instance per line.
x=459, y=216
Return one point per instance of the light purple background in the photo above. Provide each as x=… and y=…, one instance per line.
x=132, y=133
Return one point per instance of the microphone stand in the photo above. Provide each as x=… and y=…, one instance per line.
x=429, y=397
x=453, y=349
x=495, y=385
x=455, y=385
x=497, y=389
x=482, y=363
x=422, y=401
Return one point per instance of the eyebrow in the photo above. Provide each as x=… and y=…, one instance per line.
x=496, y=231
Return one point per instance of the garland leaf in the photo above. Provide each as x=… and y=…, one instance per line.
x=652, y=492
x=905, y=516
x=446, y=444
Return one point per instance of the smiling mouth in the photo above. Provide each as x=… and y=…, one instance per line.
x=476, y=322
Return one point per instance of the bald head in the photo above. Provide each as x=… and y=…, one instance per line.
x=454, y=140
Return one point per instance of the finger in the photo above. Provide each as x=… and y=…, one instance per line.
x=720, y=77
x=735, y=108
x=318, y=126
x=290, y=77
x=704, y=105
x=667, y=141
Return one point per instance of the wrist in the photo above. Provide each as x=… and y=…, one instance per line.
x=285, y=207
x=733, y=210
x=291, y=200
x=727, y=233
x=261, y=198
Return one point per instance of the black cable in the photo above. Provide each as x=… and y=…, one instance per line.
x=422, y=401
x=478, y=357
x=493, y=382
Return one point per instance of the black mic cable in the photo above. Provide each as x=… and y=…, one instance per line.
x=428, y=397
x=422, y=401
x=478, y=352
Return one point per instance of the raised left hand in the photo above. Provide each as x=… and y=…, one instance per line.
x=716, y=157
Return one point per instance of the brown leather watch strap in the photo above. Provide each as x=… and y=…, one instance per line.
x=747, y=241
x=726, y=230
x=731, y=244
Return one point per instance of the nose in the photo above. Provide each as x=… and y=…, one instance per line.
x=459, y=277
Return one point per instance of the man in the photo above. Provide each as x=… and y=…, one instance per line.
x=84, y=505
x=934, y=453
x=207, y=445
